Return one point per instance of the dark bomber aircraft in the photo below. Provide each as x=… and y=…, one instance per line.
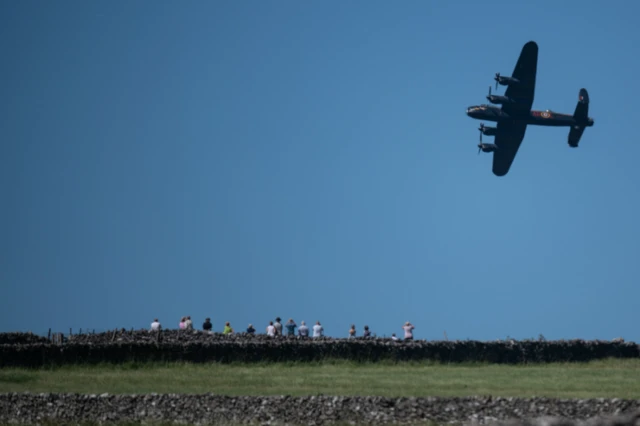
x=516, y=112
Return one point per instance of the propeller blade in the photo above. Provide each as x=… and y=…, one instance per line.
x=479, y=148
x=497, y=79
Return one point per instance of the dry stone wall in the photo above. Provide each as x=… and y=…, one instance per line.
x=196, y=346
x=19, y=338
x=311, y=410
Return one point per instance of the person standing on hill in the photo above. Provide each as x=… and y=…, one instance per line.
x=188, y=324
x=318, y=331
x=303, y=330
x=352, y=331
x=206, y=325
x=278, y=326
x=291, y=327
x=155, y=325
x=366, y=332
x=271, y=329
x=408, y=330
x=227, y=328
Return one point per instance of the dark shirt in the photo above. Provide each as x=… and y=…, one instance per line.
x=291, y=328
x=251, y=330
x=206, y=326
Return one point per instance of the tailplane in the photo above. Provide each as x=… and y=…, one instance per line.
x=581, y=115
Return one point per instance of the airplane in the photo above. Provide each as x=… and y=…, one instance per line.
x=516, y=113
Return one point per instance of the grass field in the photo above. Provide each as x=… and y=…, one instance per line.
x=610, y=379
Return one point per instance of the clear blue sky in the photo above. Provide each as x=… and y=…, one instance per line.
x=247, y=160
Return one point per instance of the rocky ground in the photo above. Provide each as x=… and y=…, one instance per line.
x=313, y=410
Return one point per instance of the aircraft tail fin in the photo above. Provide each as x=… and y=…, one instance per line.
x=581, y=115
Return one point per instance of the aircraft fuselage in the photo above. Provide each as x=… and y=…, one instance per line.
x=536, y=118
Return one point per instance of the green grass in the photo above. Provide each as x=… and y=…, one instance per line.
x=608, y=379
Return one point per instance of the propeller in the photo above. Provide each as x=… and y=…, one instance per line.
x=497, y=79
x=480, y=144
x=489, y=96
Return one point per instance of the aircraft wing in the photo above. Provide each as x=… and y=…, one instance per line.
x=508, y=139
x=525, y=72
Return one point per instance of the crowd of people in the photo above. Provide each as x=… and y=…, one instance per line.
x=276, y=328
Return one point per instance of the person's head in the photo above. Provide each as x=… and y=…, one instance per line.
x=207, y=319
x=155, y=320
x=407, y=323
x=250, y=326
x=353, y=326
x=189, y=317
x=277, y=319
x=301, y=322
x=290, y=319
x=183, y=319
x=227, y=324
x=270, y=322
x=318, y=322
x=393, y=334
x=366, y=327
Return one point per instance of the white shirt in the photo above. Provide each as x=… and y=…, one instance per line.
x=155, y=326
x=271, y=330
x=408, y=331
x=317, y=330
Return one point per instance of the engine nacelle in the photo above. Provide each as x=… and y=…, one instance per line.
x=508, y=81
x=505, y=81
x=488, y=147
x=489, y=131
x=498, y=100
